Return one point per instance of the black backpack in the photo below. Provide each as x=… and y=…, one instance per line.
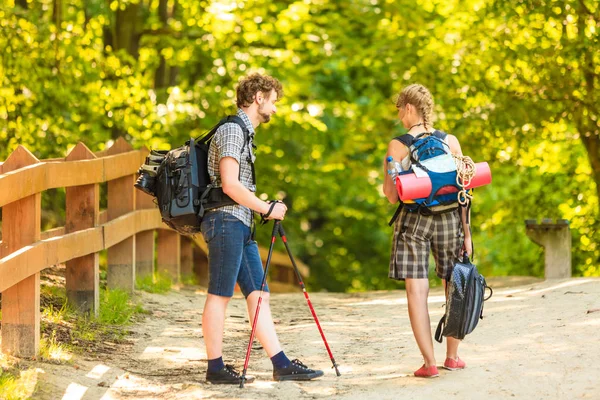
x=464, y=304
x=183, y=188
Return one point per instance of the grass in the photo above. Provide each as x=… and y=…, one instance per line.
x=159, y=283
x=116, y=308
x=53, y=315
x=189, y=280
x=55, y=292
x=66, y=331
x=16, y=383
x=54, y=352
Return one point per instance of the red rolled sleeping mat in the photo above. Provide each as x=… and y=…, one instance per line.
x=410, y=187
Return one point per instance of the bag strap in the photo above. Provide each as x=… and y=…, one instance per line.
x=395, y=217
x=408, y=139
x=438, y=332
x=207, y=137
x=440, y=134
x=240, y=122
x=405, y=139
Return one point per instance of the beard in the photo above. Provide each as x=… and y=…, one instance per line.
x=265, y=117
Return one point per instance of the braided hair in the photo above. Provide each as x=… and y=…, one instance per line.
x=420, y=97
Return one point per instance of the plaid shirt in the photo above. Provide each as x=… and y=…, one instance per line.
x=229, y=141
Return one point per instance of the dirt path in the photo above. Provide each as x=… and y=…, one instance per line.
x=538, y=341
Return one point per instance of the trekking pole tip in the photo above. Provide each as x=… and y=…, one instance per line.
x=242, y=379
x=337, y=371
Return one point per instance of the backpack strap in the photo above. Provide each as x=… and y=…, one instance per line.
x=408, y=139
x=439, y=134
x=395, y=217
x=239, y=122
x=207, y=137
x=405, y=139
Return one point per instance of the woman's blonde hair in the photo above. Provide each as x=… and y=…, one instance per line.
x=420, y=97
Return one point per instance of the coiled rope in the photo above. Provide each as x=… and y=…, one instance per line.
x=465, y=171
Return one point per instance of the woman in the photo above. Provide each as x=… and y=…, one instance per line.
x=414, y=235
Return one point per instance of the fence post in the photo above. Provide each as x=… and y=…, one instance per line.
x=187, y=259
x=21, y=302
x=200, y=266
x=121, y=200
x=555, y=238
x=144, y=241
x=82, y=212
x=169, y=253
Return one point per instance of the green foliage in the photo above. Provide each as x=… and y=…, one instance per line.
x=53, y=351
x=117, y=310
x=189, y=280
x=55, y=293
x=16, y=382
x=515, y=81
x=116, y=307
x=158, y=283
x=15, y=388
x=53, y=315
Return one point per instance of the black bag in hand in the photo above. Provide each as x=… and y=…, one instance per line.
x=464, y=303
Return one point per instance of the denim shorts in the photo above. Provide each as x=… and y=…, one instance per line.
x=232, y=255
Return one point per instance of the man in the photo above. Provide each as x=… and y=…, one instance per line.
x=232, y=253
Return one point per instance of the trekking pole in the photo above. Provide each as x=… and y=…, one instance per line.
x=312, y=310
x=262, y=287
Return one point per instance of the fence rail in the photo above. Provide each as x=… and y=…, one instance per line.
x=125, y=229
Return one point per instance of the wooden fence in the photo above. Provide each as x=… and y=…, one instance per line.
x=125, y=229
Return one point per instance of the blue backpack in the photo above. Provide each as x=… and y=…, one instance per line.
x=430, y=156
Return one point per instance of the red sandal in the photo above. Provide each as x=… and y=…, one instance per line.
x=453, y=365
x=427, y=372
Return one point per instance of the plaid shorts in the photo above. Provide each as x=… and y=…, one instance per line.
x=416, y=234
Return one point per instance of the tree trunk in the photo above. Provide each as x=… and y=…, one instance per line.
x=57, y=13
x=173, y=72
x=592, y=145
x=126, y=32
x=160, y=75
x=588, y=126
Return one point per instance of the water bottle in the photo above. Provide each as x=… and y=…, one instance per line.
x=393, y=168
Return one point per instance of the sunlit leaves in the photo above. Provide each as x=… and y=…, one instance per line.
x=506, y=76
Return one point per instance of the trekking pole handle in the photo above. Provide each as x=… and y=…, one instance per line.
x=263, y=217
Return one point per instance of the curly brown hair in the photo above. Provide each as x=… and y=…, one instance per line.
x=252, y=84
